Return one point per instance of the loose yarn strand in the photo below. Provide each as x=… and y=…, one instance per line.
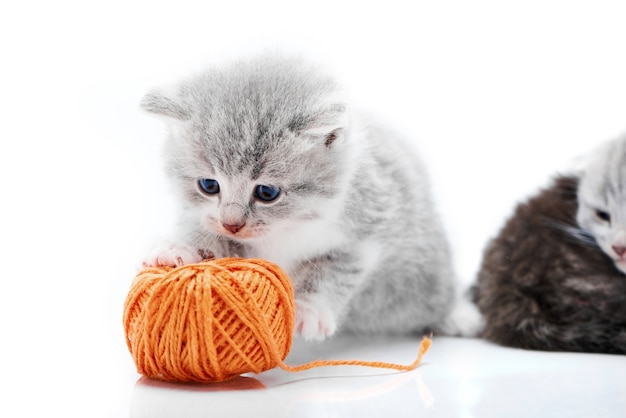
x=424, y=346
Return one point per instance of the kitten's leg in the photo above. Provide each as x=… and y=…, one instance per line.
x=324, y=287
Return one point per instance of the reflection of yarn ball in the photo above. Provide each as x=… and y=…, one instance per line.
x=211, y=321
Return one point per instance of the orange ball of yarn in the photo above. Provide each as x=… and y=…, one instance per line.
x=211, y=321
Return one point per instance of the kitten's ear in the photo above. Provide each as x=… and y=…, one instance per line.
x=326, y=134
x=166, y=102
x=581, y=164
x=577, y=166
x=332, y=128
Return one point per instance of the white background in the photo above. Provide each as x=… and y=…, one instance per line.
x=498, y=95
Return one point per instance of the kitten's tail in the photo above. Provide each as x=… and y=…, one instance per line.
x=464, y=320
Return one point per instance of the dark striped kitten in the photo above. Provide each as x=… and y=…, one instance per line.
x=554, y=278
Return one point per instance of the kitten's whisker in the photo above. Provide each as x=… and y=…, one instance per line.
x=574, y=233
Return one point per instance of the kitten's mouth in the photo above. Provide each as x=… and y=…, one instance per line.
x=238, y=235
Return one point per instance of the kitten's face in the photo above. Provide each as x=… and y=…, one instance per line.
x=260, y=189
x=602, y=201
x=256, y=148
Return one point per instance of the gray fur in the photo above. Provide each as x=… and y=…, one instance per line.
x=354, y=225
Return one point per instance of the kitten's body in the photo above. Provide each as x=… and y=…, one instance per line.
x=551, y=279
x=353, y=223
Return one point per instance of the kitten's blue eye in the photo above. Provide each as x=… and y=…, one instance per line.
x=209, y=186
x=603, y=215
x=266, y=193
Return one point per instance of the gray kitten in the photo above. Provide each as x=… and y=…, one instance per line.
x=270, y=162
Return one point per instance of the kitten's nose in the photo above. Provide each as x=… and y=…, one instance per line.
x=234, y=228
x=619, y=250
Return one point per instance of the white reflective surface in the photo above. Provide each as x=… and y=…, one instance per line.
x=458, y=378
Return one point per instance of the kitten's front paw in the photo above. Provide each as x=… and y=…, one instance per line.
x=173, y=254
x=314, y=320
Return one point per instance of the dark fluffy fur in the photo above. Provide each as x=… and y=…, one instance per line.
x=544, y=284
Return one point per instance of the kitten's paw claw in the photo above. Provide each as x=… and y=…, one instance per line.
x=314, y=321
x=170, y=254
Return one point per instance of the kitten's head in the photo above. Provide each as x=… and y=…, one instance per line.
x=602, y=200
x=256, y=147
